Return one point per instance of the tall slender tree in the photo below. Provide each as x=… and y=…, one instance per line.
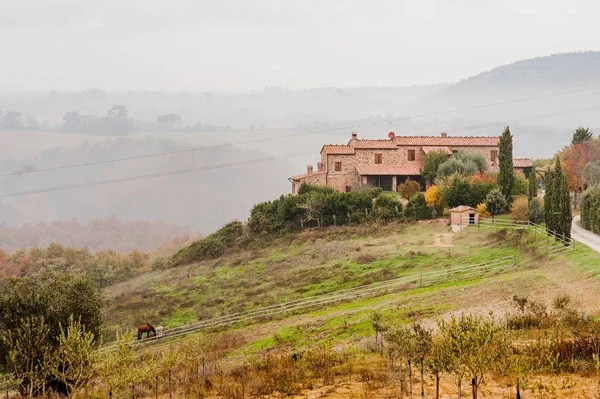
x=557, y=203
x=532, y=183
x=505, y=160
x=549, y=202
x=564, y=216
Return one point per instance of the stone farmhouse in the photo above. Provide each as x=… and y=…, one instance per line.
x=390, y=162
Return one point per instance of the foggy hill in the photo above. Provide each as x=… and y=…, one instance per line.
x=541, y=76
x=202, y=200
x=206, y=200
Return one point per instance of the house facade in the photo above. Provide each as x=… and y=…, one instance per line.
x=387, y=163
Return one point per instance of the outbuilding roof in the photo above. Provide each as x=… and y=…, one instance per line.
x=462, y=208
x=522, y=163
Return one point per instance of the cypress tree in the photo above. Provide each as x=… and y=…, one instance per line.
x=562, y=199
x=532, y=184
x=505, y=160
x=549, y=203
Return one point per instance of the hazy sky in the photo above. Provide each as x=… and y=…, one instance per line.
x=236, y=45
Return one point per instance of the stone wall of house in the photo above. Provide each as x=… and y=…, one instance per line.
x=347, y=176
x=318, y=179
x=398, y=156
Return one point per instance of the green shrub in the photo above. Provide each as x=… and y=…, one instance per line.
x=211, y=247
x=589, y=206
x=408, y=189
x=496, y=203
x=32, y=311
x=431, y=164
x=386, y=208
x=520, y=186
x=536, y=212
x=417, y=208
x=311, y=188
x=457, y=191
x=479, y=191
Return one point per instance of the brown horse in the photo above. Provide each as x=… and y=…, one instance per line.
x=146, y=328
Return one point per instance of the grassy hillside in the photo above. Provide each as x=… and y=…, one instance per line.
x=300, y=266
x=335, y=345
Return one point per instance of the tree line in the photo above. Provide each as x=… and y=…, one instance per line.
x=51, y=325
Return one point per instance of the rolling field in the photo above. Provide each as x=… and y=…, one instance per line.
x=318, y=263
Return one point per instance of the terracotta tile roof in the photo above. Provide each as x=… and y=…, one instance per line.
x=387, y=170
x=300, y=177
x=462, y=208
x=337, y=149
x=436, y=148
x=373, y=144
x=522, y=163
x=459, y=141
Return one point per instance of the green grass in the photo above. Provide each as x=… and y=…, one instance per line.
x=586, y=258
x=302, y=266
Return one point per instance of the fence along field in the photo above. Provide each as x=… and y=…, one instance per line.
x=554, y=246
x=371, y=290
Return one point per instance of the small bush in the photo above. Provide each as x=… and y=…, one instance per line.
x=386, y=208
x=495, y=202
x=417, y=208
x=535, y=210
x=483, y=212
x=409, y=188
x=520, y=209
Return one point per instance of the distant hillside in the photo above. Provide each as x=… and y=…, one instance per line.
x=571, y=70
x=541, y=76
x=203, y=200
x=97, y=235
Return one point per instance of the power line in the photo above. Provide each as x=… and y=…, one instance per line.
x=249, y=162
x=304, y=133
x=152, y=175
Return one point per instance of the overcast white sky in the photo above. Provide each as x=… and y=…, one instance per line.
x=239, y=45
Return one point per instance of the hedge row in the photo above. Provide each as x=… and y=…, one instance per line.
x=589, y=207
x=312, y=207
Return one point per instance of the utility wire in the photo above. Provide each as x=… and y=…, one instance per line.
x=305, y=133
x=249, y=162
x=153, y=175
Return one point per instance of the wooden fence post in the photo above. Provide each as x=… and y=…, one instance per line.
x=518, y=388
x=422, y=379
x=410, y=390
x=170, y=391
x=156, y=387
x=474, y=383
x=401, y=380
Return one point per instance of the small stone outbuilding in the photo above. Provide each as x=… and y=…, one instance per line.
x=463, y=216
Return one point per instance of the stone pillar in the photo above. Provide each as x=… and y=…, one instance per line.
x=394, y=184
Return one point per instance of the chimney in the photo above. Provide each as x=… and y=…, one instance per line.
x=444, y=134
x=354, y=136
x=309, y=170
x=320, y=167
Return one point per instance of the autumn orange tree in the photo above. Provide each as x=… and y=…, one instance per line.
x=574, y=159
